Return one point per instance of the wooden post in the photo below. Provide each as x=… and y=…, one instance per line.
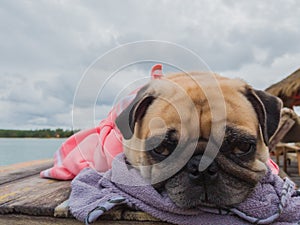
x=298, y=159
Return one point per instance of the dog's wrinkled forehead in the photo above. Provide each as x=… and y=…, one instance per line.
x=189, y=99
x=195, y=102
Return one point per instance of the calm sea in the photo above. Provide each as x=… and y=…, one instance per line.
x=15, y=150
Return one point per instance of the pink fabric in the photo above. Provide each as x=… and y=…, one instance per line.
x=273, y=166
x=97, y=147
x=93, y=148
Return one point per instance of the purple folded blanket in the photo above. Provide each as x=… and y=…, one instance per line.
x=273, y=201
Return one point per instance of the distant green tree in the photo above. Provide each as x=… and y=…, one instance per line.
x=41, y=133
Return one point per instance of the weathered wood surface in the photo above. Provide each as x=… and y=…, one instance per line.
x=25, y=198
x=292, y=171
x=284, y=149
x=21, y=170
x=23, y=191
x=28, y=199
x=40, y=220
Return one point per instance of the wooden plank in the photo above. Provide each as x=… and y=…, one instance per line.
x=285, y=125
x=33, y=196
x=23, y=219
x=45, y=200
x=292, y=172
x=44, y=197
x=283, y=148
x=298, y=161
x=21, y=170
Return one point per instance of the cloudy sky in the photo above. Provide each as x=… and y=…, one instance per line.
x=48, y=50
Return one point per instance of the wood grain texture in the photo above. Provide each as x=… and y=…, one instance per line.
x=23, y=220
x=33, y=195
x=21, y=170
x=25, y=198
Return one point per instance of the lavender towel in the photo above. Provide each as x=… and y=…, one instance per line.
x=274, y=201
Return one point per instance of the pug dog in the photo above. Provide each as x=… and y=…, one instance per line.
x=200, y=137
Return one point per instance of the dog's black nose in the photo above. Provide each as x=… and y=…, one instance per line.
x=210, y=174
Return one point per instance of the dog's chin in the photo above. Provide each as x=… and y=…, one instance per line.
x=225, y=192
x=189, y=203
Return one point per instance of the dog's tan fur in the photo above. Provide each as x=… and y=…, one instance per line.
x=180, y=100
x=240, y=112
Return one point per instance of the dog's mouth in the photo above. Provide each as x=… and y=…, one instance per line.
x=184, y=199
x=213, y=188
x=204, y=201
x=189, y=197
x=199, y=196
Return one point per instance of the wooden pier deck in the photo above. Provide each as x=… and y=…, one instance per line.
x=292, y=171
x=25, y=198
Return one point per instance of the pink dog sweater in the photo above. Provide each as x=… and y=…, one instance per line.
x=97, y=147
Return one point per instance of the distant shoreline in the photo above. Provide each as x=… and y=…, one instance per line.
x=40, y=133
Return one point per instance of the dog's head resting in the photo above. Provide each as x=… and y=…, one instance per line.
x=175, y=114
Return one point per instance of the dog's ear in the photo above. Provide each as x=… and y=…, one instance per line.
x=267, y=108
x=134, y=113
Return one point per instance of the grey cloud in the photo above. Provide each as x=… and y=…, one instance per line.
x=275, y=41
x=49, y=34
x=47, y=45
x=61, y=87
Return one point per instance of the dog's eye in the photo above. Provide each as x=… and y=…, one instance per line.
x=243, y=149
x=162, y=151
x=163, y=146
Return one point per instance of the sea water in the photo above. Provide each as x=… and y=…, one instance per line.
x=16, y=150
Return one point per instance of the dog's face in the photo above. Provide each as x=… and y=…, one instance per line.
x=173, y=123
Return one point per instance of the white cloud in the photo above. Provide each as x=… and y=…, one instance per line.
x=47, y=45
x=262, y=76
